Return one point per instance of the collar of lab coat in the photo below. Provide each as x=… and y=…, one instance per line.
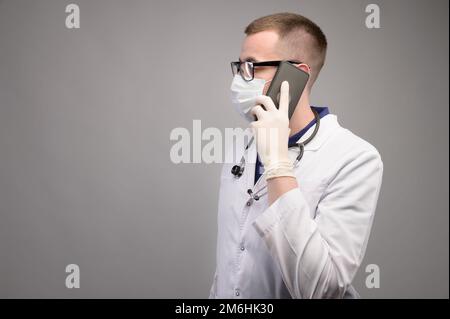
x=328, y=124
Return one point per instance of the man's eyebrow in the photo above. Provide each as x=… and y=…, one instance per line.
x=249, y=59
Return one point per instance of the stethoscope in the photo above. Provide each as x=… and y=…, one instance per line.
x=238, y=170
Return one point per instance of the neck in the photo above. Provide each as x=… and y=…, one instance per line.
x=301, y=117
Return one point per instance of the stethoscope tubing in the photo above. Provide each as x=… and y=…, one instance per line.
x=238, y=170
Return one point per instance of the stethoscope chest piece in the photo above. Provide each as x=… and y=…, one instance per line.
x=237, y=170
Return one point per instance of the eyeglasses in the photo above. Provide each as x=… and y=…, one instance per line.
x=247, y=69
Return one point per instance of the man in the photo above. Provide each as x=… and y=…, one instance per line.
x=307, y=237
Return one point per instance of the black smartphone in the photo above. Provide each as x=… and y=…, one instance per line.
x=297, y=79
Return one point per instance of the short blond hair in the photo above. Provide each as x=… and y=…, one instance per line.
x=300, y=39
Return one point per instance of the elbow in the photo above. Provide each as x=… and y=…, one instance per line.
x=332, y=284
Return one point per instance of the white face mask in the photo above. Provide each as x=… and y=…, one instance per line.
x=243, y=95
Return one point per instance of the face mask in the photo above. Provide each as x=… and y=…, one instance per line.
x=243, y=95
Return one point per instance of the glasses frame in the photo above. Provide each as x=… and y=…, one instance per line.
x=236, y=65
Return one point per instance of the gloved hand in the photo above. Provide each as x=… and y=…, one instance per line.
x=271, y=132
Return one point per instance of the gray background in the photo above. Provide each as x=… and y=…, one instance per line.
x=85, y=118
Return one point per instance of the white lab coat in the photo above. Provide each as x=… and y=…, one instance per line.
x=310, y=242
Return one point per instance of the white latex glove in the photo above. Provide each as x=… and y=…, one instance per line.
x=271, y=132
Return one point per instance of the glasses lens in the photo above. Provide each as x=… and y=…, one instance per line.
x=234, y=67
x=247, y=71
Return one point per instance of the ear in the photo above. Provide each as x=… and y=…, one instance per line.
x=304, y=67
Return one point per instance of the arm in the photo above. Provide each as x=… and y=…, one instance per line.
x=319, y=257
x=278, y=186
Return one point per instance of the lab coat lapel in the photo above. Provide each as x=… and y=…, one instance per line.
x=246, y=181
x=251, y=160
x=328, y=124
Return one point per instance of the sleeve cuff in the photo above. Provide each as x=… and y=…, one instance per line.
x=286, y=204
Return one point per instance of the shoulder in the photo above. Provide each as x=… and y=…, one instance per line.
x=358, y=144
x=348, y=146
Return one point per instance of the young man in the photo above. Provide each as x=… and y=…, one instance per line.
x=305, y=234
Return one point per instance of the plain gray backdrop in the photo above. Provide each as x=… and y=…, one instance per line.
x=86, y=115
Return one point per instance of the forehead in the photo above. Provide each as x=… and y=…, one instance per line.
x=261, y=46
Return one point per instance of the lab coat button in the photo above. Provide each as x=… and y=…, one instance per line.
x=237, y=292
